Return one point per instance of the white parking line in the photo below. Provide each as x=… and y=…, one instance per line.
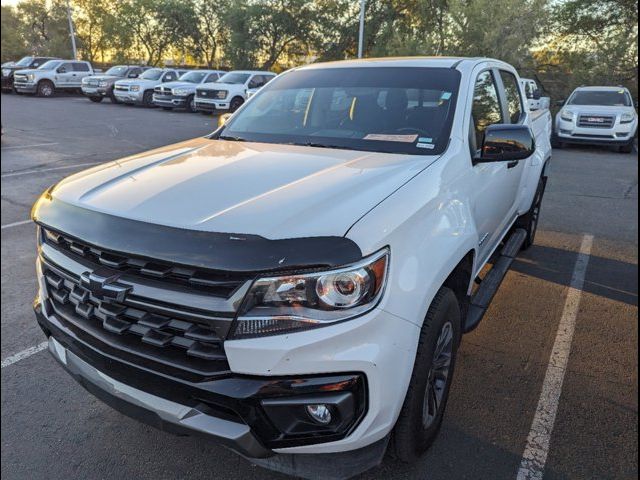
x=16, y=224
x=26, y=353
x=535, y=453
x=40, y=170
x=30, y=146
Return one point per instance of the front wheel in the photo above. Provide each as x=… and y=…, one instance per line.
x=45, y=89
x=235, y=104
x=167, y=108
x=426, y=400
x=529, y=220
x=95, y=99
x=190, y=104
x=147, y=98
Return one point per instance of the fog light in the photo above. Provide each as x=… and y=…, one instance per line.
x=319, y=413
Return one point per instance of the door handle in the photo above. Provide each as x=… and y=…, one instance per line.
x=512, y=164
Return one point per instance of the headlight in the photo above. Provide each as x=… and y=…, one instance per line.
x=289, y=303
x=180, y=92
x=102, y=84
x=567, y=115
x=6, y=72
x=627, y=117
x=134, y=88
x=221, y=94
x=31, y=77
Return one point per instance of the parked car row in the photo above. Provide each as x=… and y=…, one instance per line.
x=206, y=91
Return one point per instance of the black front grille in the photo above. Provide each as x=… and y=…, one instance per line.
x=218, y=284
x=596, y=121
x=121, y=88
x=200, y=92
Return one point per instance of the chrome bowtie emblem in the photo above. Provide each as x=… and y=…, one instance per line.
x=104, y=284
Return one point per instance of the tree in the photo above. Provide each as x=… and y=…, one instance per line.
x=13, y=45
x=44, y=27
x=209, y=38
x=93, y=21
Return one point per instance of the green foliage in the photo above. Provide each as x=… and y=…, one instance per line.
x=562, y=43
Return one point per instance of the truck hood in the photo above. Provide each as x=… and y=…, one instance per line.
x=275, y=191
x=26, y=71
x=221, y=86
x=104, y=77
x=598, y=109
x=178, y=84
x=138, y=81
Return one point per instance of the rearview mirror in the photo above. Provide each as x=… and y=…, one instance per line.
x=506, y=143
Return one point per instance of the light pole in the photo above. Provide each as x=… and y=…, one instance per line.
x=361, y=33
x=73, y=35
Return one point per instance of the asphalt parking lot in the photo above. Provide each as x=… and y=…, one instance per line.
x=52, y=428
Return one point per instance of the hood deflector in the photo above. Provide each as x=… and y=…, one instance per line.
x=213, y=251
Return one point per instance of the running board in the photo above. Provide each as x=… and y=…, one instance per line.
x=492, y=280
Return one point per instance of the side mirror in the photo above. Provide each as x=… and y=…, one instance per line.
x=560, y=103
x=506, y=143
x=61, y=70
x=224, y=118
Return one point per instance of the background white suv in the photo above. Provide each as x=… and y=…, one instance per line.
x=230, y=92
x=597, y=116
x=140, y=90
x=51, y=76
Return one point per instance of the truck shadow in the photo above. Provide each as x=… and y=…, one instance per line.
x=605, y=277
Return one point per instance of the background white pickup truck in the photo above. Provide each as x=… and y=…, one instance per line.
x=51, y=76
x=299, y=281
x=230, y=91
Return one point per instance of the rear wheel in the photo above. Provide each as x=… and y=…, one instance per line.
x=529, y=221
x=45, y=88
x=426, y=400
x=147, y=98
x=235, y=104
x=167, y=108
x=95, y=99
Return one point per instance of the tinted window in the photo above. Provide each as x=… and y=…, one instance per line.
x=151, y=74
x=512, y=94
x=117, y=71
x=193, y=77
x=134, y=71
x=388, y=109
x=81, y=67
x=236, y=78
x=486, y=107
x=609, y=98
x=257, y=81
x=212, y=77
x=50, y=65
x=170, y=77
x=24, y=62
x=68, y=67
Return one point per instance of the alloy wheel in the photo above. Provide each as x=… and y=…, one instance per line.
x=438, y=376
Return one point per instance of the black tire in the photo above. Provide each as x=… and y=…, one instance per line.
x=236, y=103
x=112, y=97
x=167, y=108
x=190, y=104
x=556, y=143
x=7, y=90
x=627, y=148
x=147, y=98
x=95, y=99
x=420, y=419
x=204, y=112
x=529, y=220
x=45, y=88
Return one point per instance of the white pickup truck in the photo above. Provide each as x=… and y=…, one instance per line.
x=296, y=285
x=229, y=92
x=533, y=94
x=51, y=76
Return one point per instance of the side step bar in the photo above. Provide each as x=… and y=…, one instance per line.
x=491, y=282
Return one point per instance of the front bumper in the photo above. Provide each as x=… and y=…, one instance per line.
x=26, y=87
x=249, y=414
x=208, y=105
x=128, y=97
x=169, y=100
x=91, y=91
x=618, y=134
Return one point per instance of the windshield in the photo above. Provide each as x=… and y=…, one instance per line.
x=152, y=74
x=24, y=62
x=118, y=71
x=607, y=98
x=231, y=77
x=386, y=109
x=193, y=77
x=50, y=65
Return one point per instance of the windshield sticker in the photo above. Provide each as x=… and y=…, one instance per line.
x=425, y=140
x=428, y=146
x=445, y=96
x=391, y=138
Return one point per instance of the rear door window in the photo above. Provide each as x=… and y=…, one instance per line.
x=513, y=98
x=80, y=67
x=170, y=77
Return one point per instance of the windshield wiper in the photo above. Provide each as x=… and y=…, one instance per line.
x=231, y=139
